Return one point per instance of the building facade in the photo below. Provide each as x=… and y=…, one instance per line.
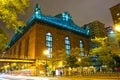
x=47, y=33
x=96, y=29
x=113, y=44
x=115, y=12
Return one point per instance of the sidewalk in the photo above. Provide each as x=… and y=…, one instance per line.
x=84, y=78
x=80, y=77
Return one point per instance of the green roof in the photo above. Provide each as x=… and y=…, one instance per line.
x=63, y=20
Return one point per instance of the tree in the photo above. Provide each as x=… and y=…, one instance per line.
x=75, y=59
x=9, y=10
x=3, y=39
x=102, y=51
x=71, y=61
x=3, y=42
x=85, y=61
x=71, y=58
x=117, y=30
x=116, y=60
x=118, y=38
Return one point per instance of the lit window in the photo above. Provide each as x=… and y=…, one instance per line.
x=49, y=41
x=118, y=14
x=82, y=48
x=81, y=44
x=67, y=45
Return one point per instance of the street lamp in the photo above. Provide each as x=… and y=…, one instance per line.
x=79, y=59
x=117, y=27
x=46, y=52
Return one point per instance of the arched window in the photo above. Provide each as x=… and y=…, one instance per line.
x=82, y=48
x=49, y=41
x=67, y=45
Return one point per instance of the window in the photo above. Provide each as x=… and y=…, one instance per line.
x=49, y=43
x=81, y=44
x=118, y=14
x=82, y=48
x=67, y=45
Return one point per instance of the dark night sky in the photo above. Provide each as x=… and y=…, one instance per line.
x=82, y=11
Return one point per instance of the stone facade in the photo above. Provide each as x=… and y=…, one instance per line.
x=115, y=12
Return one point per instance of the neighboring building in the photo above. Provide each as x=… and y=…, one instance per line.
x=111, y=34
x=47, y=32
x=96, y=29
x=115, y=12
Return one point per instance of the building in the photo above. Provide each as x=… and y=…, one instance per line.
x=96, y=29
x=51, y=33
x=115, y=12
x=114, y=47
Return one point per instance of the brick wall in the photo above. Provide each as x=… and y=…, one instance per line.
x=33, y=42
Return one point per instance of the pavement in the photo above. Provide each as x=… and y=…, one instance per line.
x=111, y=76
x=88, y=77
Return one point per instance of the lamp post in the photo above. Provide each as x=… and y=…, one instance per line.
x=46, y=52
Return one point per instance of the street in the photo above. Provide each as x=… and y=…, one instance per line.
x=76, y=77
